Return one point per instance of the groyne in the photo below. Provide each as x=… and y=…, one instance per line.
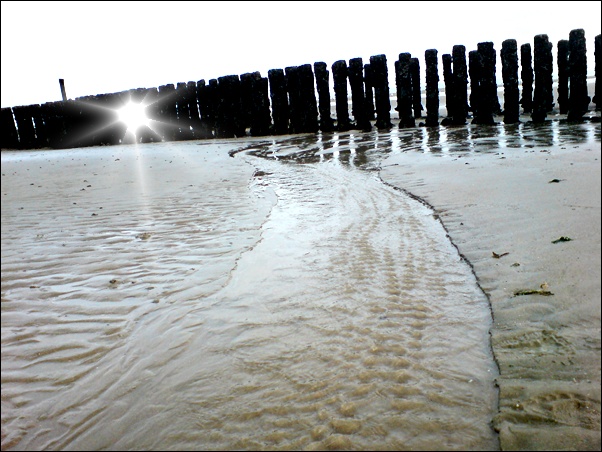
x=297, y=99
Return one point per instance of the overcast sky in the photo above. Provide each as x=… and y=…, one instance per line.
x=105, y=47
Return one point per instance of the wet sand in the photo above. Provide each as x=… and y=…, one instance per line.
x=516, y=197
x=171, y=297
x=302, y=303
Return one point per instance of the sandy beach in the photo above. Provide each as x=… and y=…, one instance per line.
x=507, y=207
x=330, y=291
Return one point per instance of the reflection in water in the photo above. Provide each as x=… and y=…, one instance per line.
x=456, y=140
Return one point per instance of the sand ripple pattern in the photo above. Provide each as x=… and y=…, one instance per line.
x=194, y=317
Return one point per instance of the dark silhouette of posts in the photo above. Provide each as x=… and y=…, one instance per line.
x=292, y=87
x=207, y=119
x=509, y=55
x=339, y=76
x=404, y=91
x=183, y=108
x=27, y=134
x=109, y=135
x=460, y=85
x=526, y=74
x=41, y=139
x=167, y=111
x=543, y=68
x=380, y=75
x=358, y=97
x=598, y=68
x=261, y=121
x=246, y=97
x=193, y=109
x=53, y=117
x=432, y=88
x=416, y=91
x=563, y=76
x=9, y=136
x=322, y=85
x=446, y=59
x=578, y=98
x=280, y=104
x=213, y=104
x=369, y=85
x=229, y=120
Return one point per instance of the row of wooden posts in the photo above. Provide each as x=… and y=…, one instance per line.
x=236, y=106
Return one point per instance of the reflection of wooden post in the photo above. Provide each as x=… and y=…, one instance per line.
x=62, y=83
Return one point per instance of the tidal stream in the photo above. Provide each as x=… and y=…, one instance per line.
x=259, y=294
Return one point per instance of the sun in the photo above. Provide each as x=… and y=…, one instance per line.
x=133, y=115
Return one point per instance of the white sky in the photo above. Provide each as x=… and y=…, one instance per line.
x=105, y=47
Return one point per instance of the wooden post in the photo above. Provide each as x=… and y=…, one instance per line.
x=280, y=103
x=183, y=112
x=24, y=126
x=168, y=111
x=380, y=73
x=509, y=57
x=460, y=84
x=246, y=97
x=206, y=120
x=63, y=92
x=229, y=123
x=416, y=91
x=308, y=103
x=369, y=84
x=481, y=102
x=486, y=100
x=473, y=72
x=193, y=109
x=261, y=121
x=432, y=88
x=8, y=138
x=542, y=67
x=213, y=100
x=404, y=91
x=322, y=85
x=55, y=124
x=339, y=76
x=563, y=76
x=488, y=78
x=449, y=88
x=526, y=74
x=598, y=69
x=294, y=98
x=578, y=98
x=358, y=97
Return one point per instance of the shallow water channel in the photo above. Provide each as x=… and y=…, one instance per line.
x=314, y=307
